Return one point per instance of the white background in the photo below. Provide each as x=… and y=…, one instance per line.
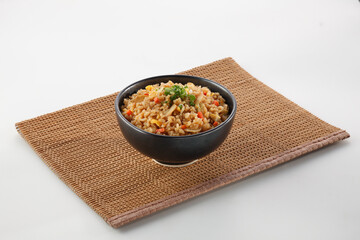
x=55, y=54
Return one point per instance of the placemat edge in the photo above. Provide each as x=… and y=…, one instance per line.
x=127, y=217
x=268, y=90
x=18, y=124
x=108, y=95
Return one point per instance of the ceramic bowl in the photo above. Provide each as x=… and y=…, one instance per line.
x=175, y=150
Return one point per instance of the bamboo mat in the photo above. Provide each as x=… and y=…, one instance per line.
x=84, y=146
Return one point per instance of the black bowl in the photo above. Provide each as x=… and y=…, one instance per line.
x=175, y=150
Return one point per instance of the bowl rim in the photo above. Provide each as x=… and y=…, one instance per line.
x=230, y=117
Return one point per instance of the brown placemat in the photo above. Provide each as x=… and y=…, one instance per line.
x=84, y=146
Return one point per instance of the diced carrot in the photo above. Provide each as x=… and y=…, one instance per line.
x=215, y=124
x=216, y=103
x=146, y=94
x=160, y=130
x=200, y=115
x=156, y=100
x=129, y=112
x=183, y=126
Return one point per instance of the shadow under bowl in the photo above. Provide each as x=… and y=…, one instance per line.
x=175, y=150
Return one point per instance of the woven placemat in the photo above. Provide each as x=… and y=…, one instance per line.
x=84, y=146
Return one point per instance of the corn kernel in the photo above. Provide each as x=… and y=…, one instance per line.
x=158, y=123
x=149, y=87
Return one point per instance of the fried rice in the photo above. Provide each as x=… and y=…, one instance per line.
x=175, y=109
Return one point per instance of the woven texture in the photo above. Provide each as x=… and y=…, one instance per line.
x=84, y=146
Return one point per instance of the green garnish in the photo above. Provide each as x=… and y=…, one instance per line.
x=177, y=91
x=180, y=106
x=191, y=100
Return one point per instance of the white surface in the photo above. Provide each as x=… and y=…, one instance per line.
x=55, y=54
